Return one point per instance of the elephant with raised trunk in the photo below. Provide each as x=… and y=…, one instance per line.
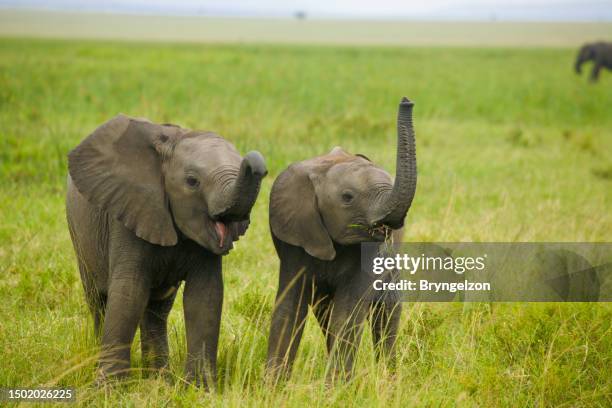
x=600, y=53
x=150, y=206
x=321, y=210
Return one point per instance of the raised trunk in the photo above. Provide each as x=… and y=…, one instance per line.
x=392, y=209
x=246, y=187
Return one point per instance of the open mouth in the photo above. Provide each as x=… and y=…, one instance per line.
x=227, y=231
x=223, y=233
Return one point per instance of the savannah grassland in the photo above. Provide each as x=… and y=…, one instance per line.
x=512, y=146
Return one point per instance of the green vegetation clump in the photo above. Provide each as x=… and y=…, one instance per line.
x=512, y=146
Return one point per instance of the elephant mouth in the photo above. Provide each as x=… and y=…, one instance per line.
x=375, y=232
x=223, y=237
x=222, y=232
x=380, y=232
x=226, y=232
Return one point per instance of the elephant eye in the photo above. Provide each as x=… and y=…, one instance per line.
x=347, y=197
x=192, y=181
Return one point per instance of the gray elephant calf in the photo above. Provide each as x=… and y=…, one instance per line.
x=321, y=210
x=150, y=206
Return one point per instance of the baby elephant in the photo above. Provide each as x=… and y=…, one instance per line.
x=321, y=210
x=150, y=206
x=601, y=55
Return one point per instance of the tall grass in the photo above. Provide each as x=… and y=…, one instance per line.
x=512, y=146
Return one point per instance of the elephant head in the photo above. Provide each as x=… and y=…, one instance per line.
x=343, y=198
x=587, y=53
x=162, y=181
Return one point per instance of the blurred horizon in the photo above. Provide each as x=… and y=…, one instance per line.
x=432, y=10
x=27, y=23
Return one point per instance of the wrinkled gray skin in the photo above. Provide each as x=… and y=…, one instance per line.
x=150, y=206
x=321, y=210
x=600, y=53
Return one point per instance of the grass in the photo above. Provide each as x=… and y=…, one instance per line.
x=512, y=146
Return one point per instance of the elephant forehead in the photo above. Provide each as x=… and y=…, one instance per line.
x=359, y=170
x=330, y=159
x=207, y=151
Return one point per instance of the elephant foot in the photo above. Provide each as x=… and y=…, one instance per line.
x=275, y=375
x=105, y=381
x=165, y=375
x=107, y=375
x=161, y=374
x=207, y=383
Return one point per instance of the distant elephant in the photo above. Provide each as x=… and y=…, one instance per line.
x=149, y=206
x=321, y=210
x=601, y=55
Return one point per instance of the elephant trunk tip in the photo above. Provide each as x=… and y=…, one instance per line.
x=245, y=189
x=406, y=102
x=256, y=163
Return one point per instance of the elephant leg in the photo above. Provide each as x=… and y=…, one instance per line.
x=127, y=299
x=287, y=326
x=203, y=302
x=154, y=334
x=98, y=308
x=384, y=321
x=322, y=309
x=344, y=334
x=595, y=72
x=96, y=301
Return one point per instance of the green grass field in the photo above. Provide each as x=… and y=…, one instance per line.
x=512, y=146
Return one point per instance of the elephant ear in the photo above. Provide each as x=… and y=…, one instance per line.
x=118, y=169
x=294, y=214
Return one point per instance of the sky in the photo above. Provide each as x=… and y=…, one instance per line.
x=536, y=10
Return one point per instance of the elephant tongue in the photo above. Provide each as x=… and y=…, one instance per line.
x=221, y=229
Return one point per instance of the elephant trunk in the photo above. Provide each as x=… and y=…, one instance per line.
x=578, y=65
x=393, y=206
x=246, y=187
x=584, y=55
